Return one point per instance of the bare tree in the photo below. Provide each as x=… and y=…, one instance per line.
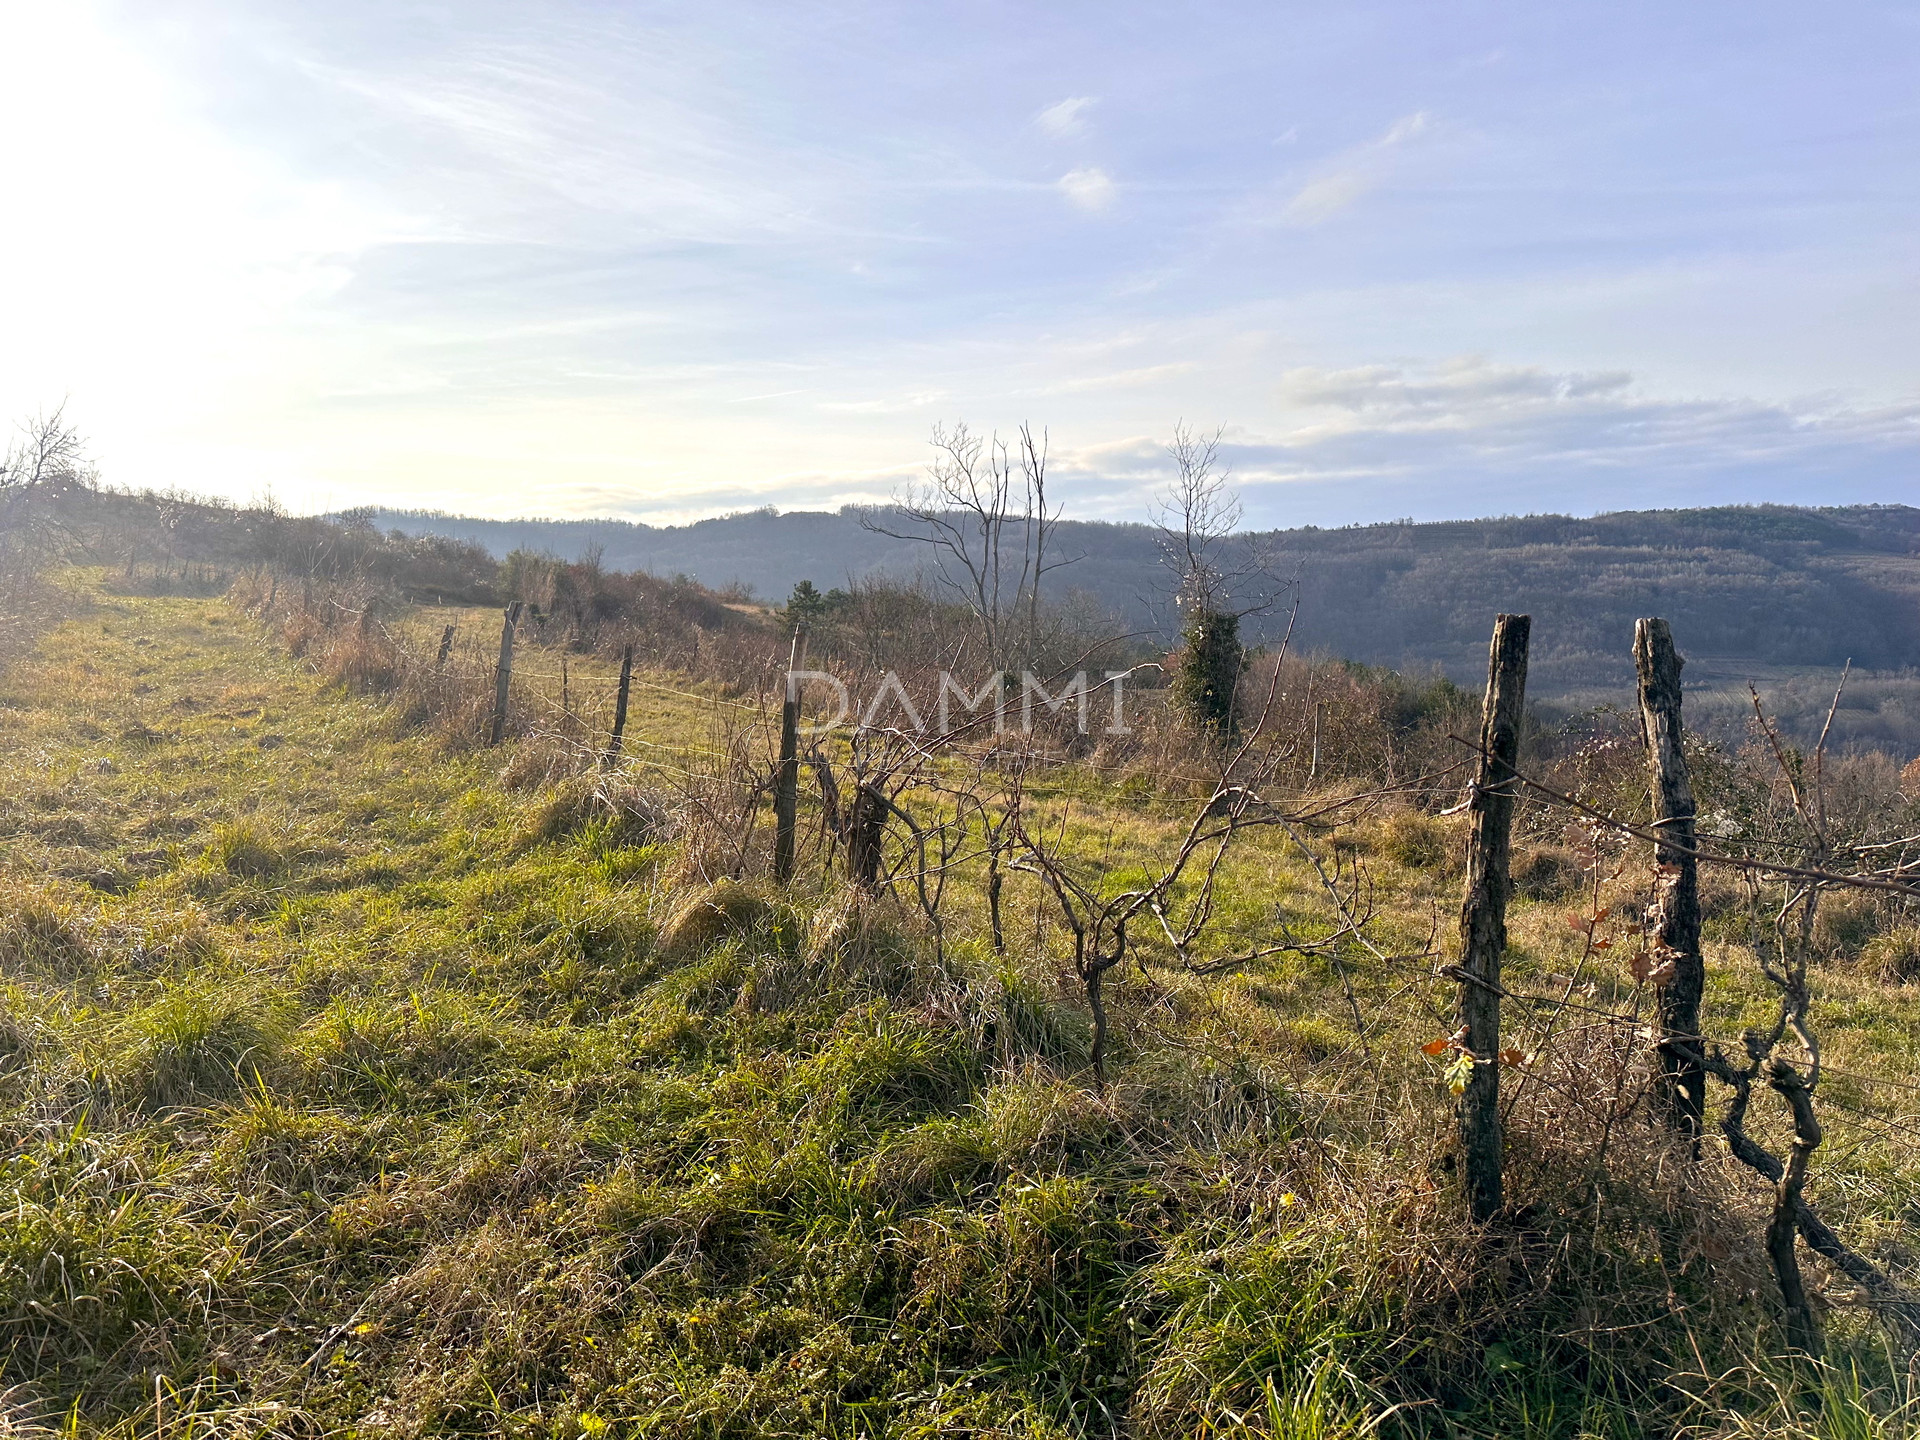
x=984, y=513
x=47, y=459
x=1197, y=519
x=1212, y=566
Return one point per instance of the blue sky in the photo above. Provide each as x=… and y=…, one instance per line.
x=1428, y=259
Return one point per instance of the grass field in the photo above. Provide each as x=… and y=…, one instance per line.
x=358, y=1084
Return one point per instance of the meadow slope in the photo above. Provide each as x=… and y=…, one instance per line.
x=355, y=1082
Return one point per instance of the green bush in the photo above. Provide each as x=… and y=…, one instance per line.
x=1206, y=672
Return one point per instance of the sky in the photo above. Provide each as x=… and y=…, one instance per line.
x=659, y=261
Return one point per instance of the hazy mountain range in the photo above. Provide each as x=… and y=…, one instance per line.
x=1777, y=594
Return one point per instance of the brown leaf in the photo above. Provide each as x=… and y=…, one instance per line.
x=1512, y=1057
x=1435, y=1047
x=1640, y=967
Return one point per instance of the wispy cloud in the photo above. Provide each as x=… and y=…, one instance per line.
x=1352, y=174
x=1089, y=187
x=1067, y=117
x=1120, y=379
x=1472, y=437
x=886, y=406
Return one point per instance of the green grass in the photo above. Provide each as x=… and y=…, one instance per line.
x=349, y=1089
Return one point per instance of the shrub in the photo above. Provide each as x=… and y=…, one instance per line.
x=1206, y=673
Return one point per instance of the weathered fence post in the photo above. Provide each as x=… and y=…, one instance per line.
x=446, y=648
x=620, y=709
x=786, y=779
x=1483, y=914
x=1682, y=1091
x=503, y=674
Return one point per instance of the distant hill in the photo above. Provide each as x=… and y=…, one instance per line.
x=1767, y=589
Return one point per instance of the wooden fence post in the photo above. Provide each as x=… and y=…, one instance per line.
x=1676, y=961
x=446, y=648
x=620, y=709
x=786, y=778
x=1483, y=914
x=503, y=674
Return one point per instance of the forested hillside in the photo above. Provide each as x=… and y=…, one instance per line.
x=1750, y=588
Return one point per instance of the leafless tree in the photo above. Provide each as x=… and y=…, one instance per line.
x=48, y=458
x=1214, y=569
x=983, y=511
x=1197, y=520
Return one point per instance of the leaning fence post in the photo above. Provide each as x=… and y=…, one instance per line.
x=503, y=673
x=1682, y=1091
x=1483, y=914
x=446, y=648
x=786, y=779
x=620, y=709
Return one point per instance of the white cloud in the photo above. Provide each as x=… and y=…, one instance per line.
x=1454, y=387
x=1089, y=187
x=1554, y=433
x=1471, y=437
x=1353, y=173
x=1068, y=117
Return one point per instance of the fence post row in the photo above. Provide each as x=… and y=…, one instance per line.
x=620, y=709
x=503, y=673
x=1682, y=1089
x=1483, y=913
x=786, y=779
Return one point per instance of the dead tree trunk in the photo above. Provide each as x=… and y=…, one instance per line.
x=866, y=827
x=786, y=779
x=1483, y=914
x=1682, y=1089
x=503, y=674
x=620, y=709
